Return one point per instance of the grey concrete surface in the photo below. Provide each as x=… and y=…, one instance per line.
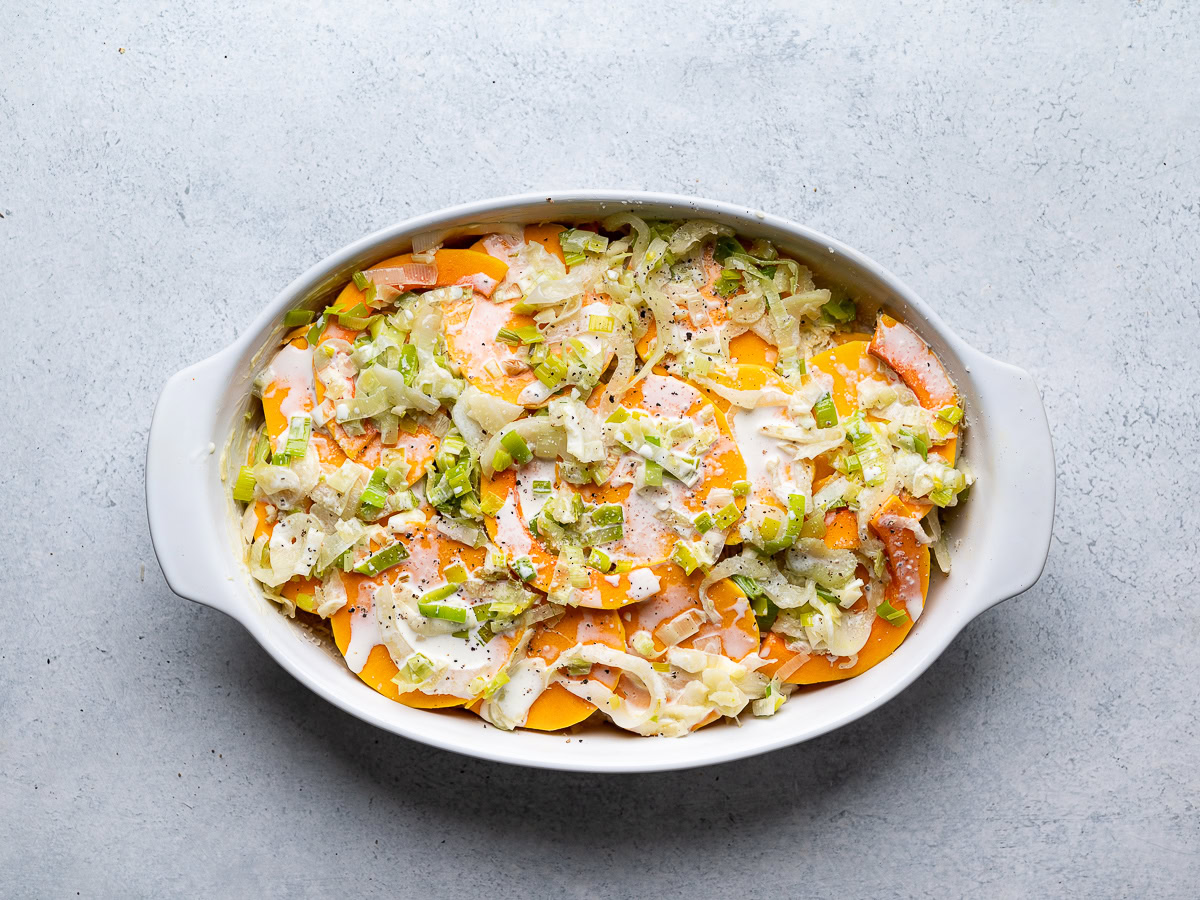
x=1033, y=169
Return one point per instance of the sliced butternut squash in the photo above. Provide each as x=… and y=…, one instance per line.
x=557, y=707
x=430, y=553
x=735, y=635
x=910, y=358
x=749, y=349
x=920, y=369
x=453, y=267
x=908, y=566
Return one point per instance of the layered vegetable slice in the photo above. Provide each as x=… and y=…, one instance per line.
x=506, y=348
x=470, y=269
x=441, y=640
x=675, y=617
x=904, y=593
x=557, y=707
x=920, y=369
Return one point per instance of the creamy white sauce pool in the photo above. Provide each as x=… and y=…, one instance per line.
x=666, y=396
x=293, y=367
x=758, y=449
x=643, y=583
x=535, y=470
x=511, y=533
x=364, y=633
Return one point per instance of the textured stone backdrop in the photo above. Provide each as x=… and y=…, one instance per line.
x=1031, y=169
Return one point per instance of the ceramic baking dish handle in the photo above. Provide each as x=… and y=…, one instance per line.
x=184, y=487
x=1020, y=500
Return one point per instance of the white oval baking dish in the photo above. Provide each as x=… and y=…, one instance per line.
x=1000, y=538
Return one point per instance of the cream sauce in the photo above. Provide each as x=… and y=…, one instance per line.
x=663, y=395
x=534, y=394
x=511, y=533
x=364, y=629
x=293, y=368
x=643, y=583
x=758, y=449
x=526, y=682
x=536, y=470
x=476, y=338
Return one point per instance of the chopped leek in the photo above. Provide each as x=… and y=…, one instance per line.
x=541, y=486
x=726, y=516
x=604, y=534
x=686, y=556
x=313, y=336
x=578, y=667
x=918, y=441
x=526, y=334
x=703, y=522
x=656, y=254
x=618, y=415
x=449, y=450
x=374, y=495
x=515, y=445
x=765, y=612
x=749, y=586
x=576, y=243
x=262, y=448
x=361, y=281
x=609, y=514
x=842, y=310
x=951, y=414
x=775, y=536
x=294, y=317
x=397, y=474
x=501, y=461
x=728, y=282
x=601, y=324
x=600, y=560
x=409, y=363
x=868, y=457
x=741, y=489
x=417, y=669
x=890, y=614
x=551, y=371
x=796, y=504
x=446, y=611
x=499, y=680
x=652, y=473
x=827, y=595
x=524, y=569
x=769, y=528
x=305, y=602
x=243, y=488
x=439, y=593
x=455, y=573
x=490, y=504
x=299, y=430
x=381, y=560
x=825, y=412
x=941, y=496
x=727, y=246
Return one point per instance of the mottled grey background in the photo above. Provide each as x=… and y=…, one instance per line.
x=1032, y=169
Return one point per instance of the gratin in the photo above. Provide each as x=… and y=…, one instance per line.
x=641, y=469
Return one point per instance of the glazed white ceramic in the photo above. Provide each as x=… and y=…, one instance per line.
x=1001, y=537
